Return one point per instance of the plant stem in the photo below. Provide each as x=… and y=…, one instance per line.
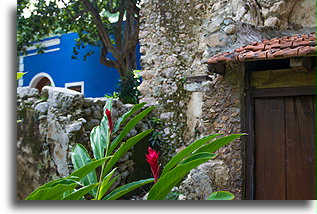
x=102, y=168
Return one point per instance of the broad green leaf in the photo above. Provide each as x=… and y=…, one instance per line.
x=52, y=184
x=221, y=195
x=197, y=156
x=98, y=142
x=130, y=125
x=218, y=143
x=185, y=152
x=84, y=170
x=20, y=75
x=164, y=184
x=80, y=158
x=120, y=191
x=108, y=106
x=124, y=148
x=78, y=194
x=105, y=185
x=124, y=117
x=51, y=193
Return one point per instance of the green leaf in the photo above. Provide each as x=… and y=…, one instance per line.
x=120, y=191
x=197, y=156
x=78, y=194
x=105, y=185
x=86, y=169
x=20, y=75
x=130, y=125
x=218, y=143
x=98, y=142
x=221, y=195
x=108, y=106
x=164, y=184
x=51, y=193
x=185, y=152
x=80, y=158
x=124, y=117
x=52, y=184
x=124, y=148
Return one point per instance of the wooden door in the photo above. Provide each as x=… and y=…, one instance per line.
x=284, y=135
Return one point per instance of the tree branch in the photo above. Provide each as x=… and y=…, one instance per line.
x=103, y=32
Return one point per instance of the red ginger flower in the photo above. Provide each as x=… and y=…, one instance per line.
x=152, y=159
x=110, y=124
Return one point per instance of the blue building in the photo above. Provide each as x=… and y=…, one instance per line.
x=56, y=67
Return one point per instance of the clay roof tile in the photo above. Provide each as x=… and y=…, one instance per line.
x=287, y=46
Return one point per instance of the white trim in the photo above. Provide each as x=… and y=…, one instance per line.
x=72, y=84
x=20, y=82
x=21, y=59
x=45, y=44
x=35, y=80
x=46, y=51
x=21, y=67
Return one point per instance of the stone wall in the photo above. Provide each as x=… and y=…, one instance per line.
x=176, y=36
x=52, y=123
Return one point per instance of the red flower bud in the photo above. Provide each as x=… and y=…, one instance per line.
x=152, y=159
x=110, y=124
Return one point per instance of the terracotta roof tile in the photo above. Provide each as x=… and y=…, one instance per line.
x=284, y=47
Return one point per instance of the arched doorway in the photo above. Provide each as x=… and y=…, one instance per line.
x=40, y=80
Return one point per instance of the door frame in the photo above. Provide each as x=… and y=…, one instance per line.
x=250, y=94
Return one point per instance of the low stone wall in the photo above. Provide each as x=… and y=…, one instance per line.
x=48, y=127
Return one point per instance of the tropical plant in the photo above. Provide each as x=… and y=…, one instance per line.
x=106, y=154
x=195, y=154
x=84, y=182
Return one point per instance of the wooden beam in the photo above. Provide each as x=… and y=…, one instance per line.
x=218, y=68
x=282, y=78
x=303, y=64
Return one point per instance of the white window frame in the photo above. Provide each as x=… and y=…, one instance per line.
x=72, y=84
x=35, y=80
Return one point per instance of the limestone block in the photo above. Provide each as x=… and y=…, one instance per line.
x=41, y=108
x=214, y=40
x=62, y=97
x=167, y=115
x=230, y=29
x=303, y=13
x=26, y=91
x=201, y=181
x=272, y=21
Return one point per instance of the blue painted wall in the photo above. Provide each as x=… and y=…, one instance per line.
x=98, y=79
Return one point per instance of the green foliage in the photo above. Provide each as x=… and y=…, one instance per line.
x=128, y=87
x=114, y=95
x=84, y=179
x=156, y=136
x=221, y=195
x=192, y=156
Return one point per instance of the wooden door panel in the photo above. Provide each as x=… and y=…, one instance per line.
x=300, y=147
x=270, y=149
x=284, y=130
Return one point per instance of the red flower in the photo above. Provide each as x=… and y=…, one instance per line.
x=110, y=124
x=152, y=159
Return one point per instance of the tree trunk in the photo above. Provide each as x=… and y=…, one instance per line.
x=124, y=51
